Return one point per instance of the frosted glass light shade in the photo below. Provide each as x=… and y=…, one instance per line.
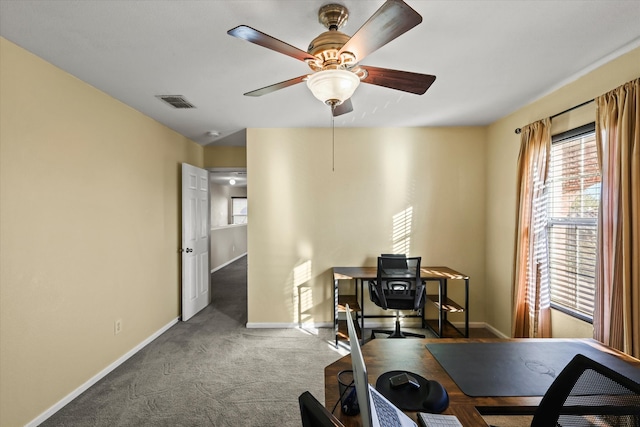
x=333, y=86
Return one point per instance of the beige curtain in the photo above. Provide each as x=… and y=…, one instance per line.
x=616, y=318
x=532, y=317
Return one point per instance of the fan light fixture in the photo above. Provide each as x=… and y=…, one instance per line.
x=333, y=87
x=232, y=181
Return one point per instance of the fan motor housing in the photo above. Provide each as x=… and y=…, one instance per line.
x=326, y=46
x=333, y=16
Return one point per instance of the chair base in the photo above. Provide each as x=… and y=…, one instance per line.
x=397, y=333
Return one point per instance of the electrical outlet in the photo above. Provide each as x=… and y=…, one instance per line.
x=117, y=327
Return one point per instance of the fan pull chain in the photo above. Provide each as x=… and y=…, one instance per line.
x=333, y=144
x=333, y=139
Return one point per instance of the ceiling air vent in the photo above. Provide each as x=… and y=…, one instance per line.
x=176, y=101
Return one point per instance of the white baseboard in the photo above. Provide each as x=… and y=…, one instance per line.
x=213, y=270
x=369, y=323
x=77, y=392
x=310, y=325
x=495, y=331
x=460, y=325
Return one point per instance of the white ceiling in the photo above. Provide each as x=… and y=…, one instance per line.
x=490, y=57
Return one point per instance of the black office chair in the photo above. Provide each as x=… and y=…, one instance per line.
x=587, y=393
x=314, y=414
x=398, y=287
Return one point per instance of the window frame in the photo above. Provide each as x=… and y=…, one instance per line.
x=233, y=213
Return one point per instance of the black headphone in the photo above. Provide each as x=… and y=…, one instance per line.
x=350, y=403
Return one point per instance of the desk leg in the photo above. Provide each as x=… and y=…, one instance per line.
x=442, y=284
x=466, y=308
x=361, y=312
x=445, y=296
x=424, y=307
x=335, y=310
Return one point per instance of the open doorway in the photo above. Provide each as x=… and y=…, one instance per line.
x=228, y=241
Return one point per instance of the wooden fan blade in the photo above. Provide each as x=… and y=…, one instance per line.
x=344, y=108
x=254, y=36
x=393, y=19
x=399, y=80
x=272, y=88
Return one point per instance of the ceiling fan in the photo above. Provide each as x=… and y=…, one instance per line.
x=334, y=57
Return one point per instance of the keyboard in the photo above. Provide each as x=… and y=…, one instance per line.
x=437, y=420
x=386, y=412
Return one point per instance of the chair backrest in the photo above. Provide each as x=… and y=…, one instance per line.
x=398, y=284
x=588, y=393
x=395, y=260
x=314, y=414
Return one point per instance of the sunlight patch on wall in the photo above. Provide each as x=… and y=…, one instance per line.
x=302, y=273
x=401, y=237
x=302, y=292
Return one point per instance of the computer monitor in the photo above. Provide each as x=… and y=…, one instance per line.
x=360, y=377
x=314, y=414
x=369, y=410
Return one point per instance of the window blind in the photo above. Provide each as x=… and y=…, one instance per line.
x=573, y=191
x=239, y=210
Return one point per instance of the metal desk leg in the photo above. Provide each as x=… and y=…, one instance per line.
x=442, y=283
x=335, y=310
x=466, y=308
x=445, y=295
x=423, y=309
x=361, y=312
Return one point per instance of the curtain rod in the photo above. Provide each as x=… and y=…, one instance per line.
x=518, y=130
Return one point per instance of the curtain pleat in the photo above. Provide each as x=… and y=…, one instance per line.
x=532, y=299
x=616, y=318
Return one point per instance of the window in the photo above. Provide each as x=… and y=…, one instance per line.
x=573, y=191
x=239, y=210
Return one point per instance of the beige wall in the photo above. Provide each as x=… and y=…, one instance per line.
x=306, y=217
x=502, y=155
x=225, y=157
x=460, y=183
x=90, y=226
x=227, y=245
x=221, y=211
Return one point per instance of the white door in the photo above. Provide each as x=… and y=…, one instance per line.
x=195, y=241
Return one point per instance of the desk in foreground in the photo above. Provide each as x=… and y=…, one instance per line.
x=382, y=355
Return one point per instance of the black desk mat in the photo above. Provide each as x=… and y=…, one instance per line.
x=516, y=368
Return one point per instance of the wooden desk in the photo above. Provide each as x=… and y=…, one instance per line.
x=443, y=303
x=383, y=355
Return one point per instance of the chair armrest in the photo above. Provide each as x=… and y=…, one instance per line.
x=376, y=294
x=421, y=295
